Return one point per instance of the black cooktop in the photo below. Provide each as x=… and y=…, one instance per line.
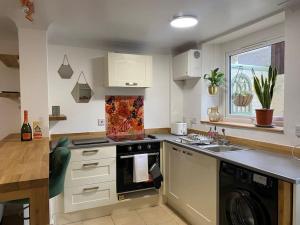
x=132, y=137
x=90, y=141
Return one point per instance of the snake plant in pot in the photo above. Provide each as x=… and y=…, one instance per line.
x=216, y=79
x=264, y=88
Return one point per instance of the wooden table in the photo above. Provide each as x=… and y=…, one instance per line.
x=24, y=173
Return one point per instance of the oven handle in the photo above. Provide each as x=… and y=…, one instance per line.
x=131, y=156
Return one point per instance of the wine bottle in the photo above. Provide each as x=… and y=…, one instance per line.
x=26, y=132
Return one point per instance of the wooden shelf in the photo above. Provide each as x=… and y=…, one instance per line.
x=10, y=60
x=245, y=126
x=13, y=95
x=57, y=118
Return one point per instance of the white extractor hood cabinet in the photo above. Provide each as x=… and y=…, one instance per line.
x=187, y=65
x=128, y=70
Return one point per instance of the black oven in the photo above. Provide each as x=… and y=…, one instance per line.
x=125, y=161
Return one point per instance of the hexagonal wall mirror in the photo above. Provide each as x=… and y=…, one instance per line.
x=65, y=71
x=82, y=92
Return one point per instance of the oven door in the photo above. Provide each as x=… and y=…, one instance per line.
x=125, y=173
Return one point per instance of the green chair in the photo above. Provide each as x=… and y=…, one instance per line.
x=62, y=142
x=59, y=160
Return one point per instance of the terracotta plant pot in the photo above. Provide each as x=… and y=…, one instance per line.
x=213, y=90
x=264, y=117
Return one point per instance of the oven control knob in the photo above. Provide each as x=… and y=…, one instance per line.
x=148, y=146
x=139, y=147
x=129, y=148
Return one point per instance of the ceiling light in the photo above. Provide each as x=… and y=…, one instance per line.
x=184, y=21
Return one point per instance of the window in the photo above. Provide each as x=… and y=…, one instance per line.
x=242, y=100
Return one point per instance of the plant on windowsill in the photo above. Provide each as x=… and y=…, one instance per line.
x=216, y=79
x=242, y=99
x=264, y=88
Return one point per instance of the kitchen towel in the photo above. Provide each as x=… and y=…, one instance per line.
x=140, y=168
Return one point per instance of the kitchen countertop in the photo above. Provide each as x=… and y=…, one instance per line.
x=23, y=165
x=277, y=165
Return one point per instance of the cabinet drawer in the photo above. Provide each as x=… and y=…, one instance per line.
x=93, y=153
x=89, y=196
x=91, y=171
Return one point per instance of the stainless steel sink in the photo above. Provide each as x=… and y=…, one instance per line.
x=223, y=148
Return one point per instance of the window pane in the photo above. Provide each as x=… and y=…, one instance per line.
x=241, y=89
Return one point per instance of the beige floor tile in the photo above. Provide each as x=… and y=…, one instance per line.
x=127, y=218
x=78, y=223
x=180, y=221
x=155, y=215
x=106, y=220
x=172, y=222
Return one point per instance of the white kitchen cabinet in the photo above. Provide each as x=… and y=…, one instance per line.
x=83, y=154
x=191, y=186
x=128, y=70
x=89, y=196
x=187, y=65
x=91, y=171
x=90, y=178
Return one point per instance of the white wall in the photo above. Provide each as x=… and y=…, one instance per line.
x=292, y=79
x=214, y=56
x=82, y=117
x=9, y=109
x=9, y=81
x=33, y=75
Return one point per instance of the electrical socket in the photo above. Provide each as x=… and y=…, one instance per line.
x=297, y=131
x=193, y=120
x=101, y=122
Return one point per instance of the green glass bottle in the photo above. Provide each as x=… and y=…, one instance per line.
x=26, y=131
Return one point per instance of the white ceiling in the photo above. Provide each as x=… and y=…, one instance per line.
x=140, y=24
x=145, y=23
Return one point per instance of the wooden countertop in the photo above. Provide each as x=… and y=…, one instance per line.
x=23, y=165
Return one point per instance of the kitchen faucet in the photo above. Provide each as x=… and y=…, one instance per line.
x=218, y=139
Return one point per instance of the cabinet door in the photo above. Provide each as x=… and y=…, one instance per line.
x=89, y=196
x=126, y=70
x=176, y=174
x=200, y=196
x=180, y=66
x=90, y=172
x=191, y=184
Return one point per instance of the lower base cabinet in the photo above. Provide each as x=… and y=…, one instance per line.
x=90, y=196
x=90, y=180
x=191, y=184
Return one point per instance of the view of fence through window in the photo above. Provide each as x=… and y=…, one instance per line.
x=243, y=100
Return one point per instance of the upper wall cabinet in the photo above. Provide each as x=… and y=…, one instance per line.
x=187, y=65
x=127, y=70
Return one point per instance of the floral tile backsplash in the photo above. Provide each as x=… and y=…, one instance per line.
x=124, y=115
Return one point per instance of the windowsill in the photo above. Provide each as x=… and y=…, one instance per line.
x=248, y=126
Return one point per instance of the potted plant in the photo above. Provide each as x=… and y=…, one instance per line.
x=216, y=79
x=242, y=99
x=264, y=88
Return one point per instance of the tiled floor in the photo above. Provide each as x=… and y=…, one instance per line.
x=158, y=215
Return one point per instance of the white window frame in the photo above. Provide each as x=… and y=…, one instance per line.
x=226, y=97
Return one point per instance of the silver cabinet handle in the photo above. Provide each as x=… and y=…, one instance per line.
x=90, y=189
x=131, y=84
x=190, y=154
x=90, y=165
x=90, y=152
x=131, y=156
